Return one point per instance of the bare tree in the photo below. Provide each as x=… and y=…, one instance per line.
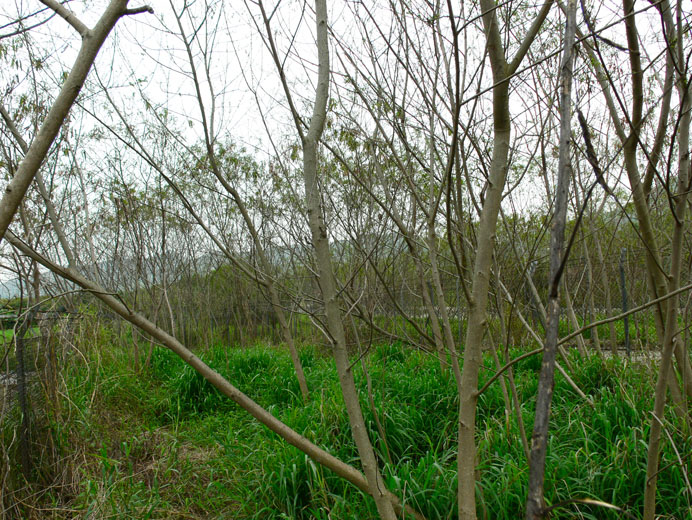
x=310, y=138
x=679, y=198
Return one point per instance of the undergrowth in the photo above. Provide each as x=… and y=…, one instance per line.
x=162, y=443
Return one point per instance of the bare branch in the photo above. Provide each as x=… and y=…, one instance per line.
x=68, y=16
x=138, y=10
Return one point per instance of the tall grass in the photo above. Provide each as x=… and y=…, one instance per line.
x=162, y=443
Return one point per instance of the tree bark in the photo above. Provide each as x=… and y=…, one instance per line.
x=326, y=279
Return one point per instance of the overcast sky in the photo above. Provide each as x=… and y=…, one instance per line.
x=144, y=61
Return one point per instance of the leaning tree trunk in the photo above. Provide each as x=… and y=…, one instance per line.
x=115, y=303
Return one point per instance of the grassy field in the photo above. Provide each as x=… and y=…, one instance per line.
x=162, y=443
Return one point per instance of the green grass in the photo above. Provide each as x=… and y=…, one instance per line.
x=164, y=444
x=7, y=335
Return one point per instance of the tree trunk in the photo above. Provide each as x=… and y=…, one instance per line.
x=326, y=279
x=546, y=381
x=477, y=322
x=609, y=305
x=680, y=201
x=596, y=342
x=572, y=316
x=466, y=456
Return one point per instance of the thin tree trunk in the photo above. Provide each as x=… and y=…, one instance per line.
x=433, y=253
x=574, y=320
x=680, y=201
x=135, y=348
x=466, y=456
x=451, y=347
x=477, y=322
x=609, y=304
x=20, y=343
x=546, y=381
x=535, y=298
x=371, y=396
x=510, y=373
x=432, y=315
x=503, y=385
x=327, y=281
x=592, y=307
x=327, y=284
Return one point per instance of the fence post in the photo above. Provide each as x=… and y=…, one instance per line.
x=623, y=290
x=21, y=395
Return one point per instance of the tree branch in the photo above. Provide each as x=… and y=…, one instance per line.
x=138, y=10
x=68, y=16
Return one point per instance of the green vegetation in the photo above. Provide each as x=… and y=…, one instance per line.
x=162, y=443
